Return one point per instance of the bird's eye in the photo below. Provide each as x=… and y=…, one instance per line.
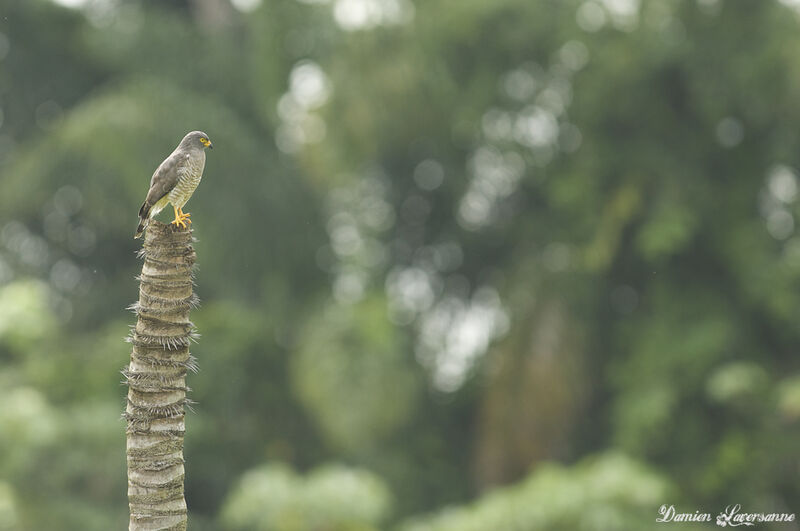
x=203, y=139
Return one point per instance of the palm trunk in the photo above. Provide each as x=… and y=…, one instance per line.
x=156, y=379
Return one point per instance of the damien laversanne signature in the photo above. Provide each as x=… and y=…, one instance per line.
x=731, y=516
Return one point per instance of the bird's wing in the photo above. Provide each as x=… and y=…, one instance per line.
x=166, y=177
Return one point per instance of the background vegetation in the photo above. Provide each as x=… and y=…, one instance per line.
x=465, y=264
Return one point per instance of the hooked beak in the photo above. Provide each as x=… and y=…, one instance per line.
x=210, y=145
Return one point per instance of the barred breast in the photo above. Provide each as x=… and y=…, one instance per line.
x=190, y=174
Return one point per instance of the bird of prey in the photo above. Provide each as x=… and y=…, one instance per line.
x=175, y=180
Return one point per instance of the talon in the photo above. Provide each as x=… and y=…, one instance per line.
x=184, y=216
x=180, y=217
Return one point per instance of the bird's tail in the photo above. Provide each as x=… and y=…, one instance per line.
x=144, y=217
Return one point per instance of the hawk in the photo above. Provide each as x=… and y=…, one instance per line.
x=175, y=180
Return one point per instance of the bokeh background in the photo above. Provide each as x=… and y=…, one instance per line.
x=464, y=264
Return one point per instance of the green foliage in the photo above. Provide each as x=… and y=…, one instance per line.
x=669, y=228
x=737, y=381
x=273, y=497
x=348, y=354
x=25, y=316
x=46, y=452
x=609, y=491
x=9, y=519
x=789, y=398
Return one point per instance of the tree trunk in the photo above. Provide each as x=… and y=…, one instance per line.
x=156, y=379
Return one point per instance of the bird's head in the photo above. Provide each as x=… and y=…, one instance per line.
x=197, y=139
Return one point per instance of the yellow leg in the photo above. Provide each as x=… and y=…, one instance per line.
x=179, y=217
x=184, y=216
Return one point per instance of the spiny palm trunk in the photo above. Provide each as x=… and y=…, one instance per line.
x=156, y=378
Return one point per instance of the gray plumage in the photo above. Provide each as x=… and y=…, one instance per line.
x=175, y=180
